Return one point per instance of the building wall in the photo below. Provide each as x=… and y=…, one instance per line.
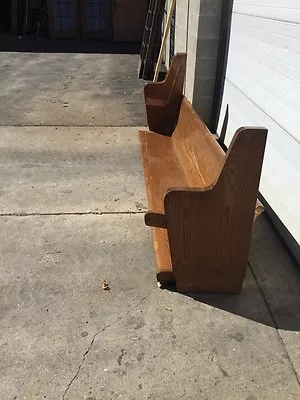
x=198, y=33
x=207, y=56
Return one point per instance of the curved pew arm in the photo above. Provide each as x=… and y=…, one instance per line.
x=175, y=77
x=161, y=93
x=159, y=220
x=163, y=99
x=156, y=220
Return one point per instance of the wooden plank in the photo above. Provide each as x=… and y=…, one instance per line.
x=161, y=170
x=156, y=220
x=209, y=229
x=164, y=169
x=200, y=155
x=164, y=269
x=208, y=220
x=163, y=99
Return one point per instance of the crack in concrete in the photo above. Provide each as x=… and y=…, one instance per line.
x=85, y=354
x=83, y=359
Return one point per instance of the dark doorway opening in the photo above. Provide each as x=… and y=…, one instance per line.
x=89, y=19
x=5, y=15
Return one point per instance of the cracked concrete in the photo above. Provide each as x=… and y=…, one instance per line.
x=83, y=359
x=71, y=204
x=92, y=342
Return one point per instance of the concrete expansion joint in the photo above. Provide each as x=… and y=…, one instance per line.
x=49, y=214
x=85, y=354
x=67, y=126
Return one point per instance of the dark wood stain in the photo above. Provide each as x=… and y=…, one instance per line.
x=163, y=99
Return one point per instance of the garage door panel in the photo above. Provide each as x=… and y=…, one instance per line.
x=265, y=55
x=293, y=59
x=276, y=162
x=289, y=30
x=284, y=89
x=280, y=183
x=262, y=88
x=271, y=99
x=287, y=10
x=243, y=112
x=282, y=40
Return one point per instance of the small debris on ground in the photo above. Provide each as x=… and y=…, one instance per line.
x=169, y=309
x=105, y=285
x=140, y=206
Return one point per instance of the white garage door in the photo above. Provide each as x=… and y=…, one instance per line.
x=262, y=87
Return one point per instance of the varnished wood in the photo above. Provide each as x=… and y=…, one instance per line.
x=209, y=229
x=164, y=268
x=200, y=156
x=202, y=202
x=155, y=220
x=163, y=99
x=164, y=168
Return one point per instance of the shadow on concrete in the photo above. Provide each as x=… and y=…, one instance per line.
x=31, y=44
x=271, y=292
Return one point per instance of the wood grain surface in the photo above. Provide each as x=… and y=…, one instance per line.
x=202, y=202
x=209, y=229
x=163, y=99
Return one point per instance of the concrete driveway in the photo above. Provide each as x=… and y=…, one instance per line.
x=72, y=199
x=69, y=83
